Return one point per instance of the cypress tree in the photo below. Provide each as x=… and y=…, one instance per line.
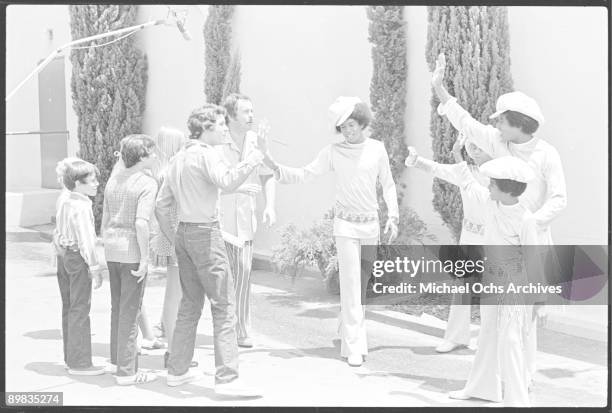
x=476, y=43
x=388, y=86
x=108, y=86
x=232, y=77
x=217, y=39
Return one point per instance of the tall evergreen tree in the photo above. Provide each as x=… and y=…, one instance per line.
x=232, y=77
x=108, y=86
x=476, y=43
x=218, y=41
x=387, y=33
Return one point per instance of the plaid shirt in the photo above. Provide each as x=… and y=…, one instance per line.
x=128, y=195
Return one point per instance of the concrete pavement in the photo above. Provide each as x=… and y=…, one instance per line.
x=289, y=368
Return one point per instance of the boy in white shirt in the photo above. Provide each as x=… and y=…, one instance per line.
x=78, y=263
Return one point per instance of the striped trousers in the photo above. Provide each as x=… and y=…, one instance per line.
x=241, y=260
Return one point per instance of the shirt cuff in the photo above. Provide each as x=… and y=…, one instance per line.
x=444, y=107
x=96, y=267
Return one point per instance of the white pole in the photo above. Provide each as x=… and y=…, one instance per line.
x=79, y=41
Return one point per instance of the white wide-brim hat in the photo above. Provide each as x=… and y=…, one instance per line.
x=518, y=102
x=341, y=109
x=508, y=167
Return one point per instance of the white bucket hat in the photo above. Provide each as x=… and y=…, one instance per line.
x=341, y=109
x=518, y=102
x=508, y=167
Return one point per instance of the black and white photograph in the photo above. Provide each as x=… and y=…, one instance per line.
x=306, y=205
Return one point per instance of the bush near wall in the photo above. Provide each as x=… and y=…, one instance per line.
x=222, y=74
x=108, y=86
x=476, y=43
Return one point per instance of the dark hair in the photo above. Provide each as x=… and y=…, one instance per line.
x=204, y=118
x=526, y=123
x=231, y=103
x=361, y=114
x=136, y=147
x=77, y=171
x=510, y=186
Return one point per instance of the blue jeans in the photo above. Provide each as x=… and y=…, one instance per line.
x=126, y=300
x=204, y=270
x=75, y=289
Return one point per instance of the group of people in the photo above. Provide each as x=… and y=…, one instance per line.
x=198, y=195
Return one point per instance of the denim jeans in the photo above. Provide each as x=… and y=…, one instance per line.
x=75, y=289
x=204, y=271
x=126, y=300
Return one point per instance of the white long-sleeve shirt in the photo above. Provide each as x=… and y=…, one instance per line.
x=546, y=195
x=357, y=168
x=472, y=228
x=504, y=224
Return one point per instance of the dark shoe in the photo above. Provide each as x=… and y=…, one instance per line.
x=167, y=356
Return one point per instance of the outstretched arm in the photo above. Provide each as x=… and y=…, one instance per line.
x=485, y=136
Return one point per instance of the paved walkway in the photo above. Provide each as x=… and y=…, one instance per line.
x=291, y=363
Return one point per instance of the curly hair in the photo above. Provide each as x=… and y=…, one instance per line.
x=204, y=118
x=361, y=114
x=136, y=147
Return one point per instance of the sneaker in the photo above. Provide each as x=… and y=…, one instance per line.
x=86, y=371
x=139, y=378
x=154, y=344
x=245, y=342
x=190, y=376
x=355, y=360
x=447, y=346
x=111, y=368
x=236, y=388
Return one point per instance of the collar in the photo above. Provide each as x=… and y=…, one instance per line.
x=196, y=142
x=79, y=197
x=526, y=146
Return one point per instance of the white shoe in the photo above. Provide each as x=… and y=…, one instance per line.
x=237, y=388
x=458, y=395
x=447, y=346
x=87, y=371
x=190, y=376
x=111, y=368
x=139, y=378
x=355, y=360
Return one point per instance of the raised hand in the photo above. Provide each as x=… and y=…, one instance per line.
x=412, y=156
x=438, y=74
x=263, y=128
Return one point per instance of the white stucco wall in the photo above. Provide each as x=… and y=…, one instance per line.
x=295, y=61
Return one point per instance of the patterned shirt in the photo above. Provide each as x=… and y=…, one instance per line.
x=129, y=194
x=75, y=227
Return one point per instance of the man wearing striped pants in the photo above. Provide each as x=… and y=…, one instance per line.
x=237, y=210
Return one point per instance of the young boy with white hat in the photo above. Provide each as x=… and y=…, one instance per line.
x=457, y=333
x=500, y=356
x=518, y=117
